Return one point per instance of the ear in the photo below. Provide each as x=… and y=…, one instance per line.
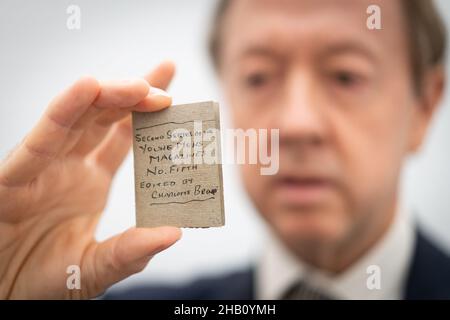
x=427, y=104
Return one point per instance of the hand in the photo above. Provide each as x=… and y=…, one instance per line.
x=54, y=187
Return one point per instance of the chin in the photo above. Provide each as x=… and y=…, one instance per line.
x=306, y=227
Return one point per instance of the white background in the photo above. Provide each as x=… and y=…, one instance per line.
x=39, y=57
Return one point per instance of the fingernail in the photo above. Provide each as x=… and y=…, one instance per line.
x=158, y=92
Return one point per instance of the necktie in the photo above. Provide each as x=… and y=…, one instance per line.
x=302, y=291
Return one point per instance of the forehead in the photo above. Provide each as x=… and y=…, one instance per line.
x=288, y=26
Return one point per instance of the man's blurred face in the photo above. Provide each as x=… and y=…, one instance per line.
x=343, y=99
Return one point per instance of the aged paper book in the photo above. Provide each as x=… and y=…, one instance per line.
x=177, y=166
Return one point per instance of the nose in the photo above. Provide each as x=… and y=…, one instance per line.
x=301, y=116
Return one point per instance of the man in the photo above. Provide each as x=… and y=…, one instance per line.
x=351, y=104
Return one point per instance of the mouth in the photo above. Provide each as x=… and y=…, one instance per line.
x=303, y=191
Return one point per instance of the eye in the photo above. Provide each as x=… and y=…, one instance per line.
x=256, y=80
x=346, y=78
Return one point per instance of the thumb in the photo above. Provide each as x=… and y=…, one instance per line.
x=122, y=256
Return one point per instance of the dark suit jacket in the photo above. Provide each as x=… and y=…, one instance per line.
x=428, y=278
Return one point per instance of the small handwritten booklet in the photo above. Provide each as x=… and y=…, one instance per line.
x=177, y=167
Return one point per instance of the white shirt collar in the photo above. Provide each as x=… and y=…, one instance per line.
x=278, y=268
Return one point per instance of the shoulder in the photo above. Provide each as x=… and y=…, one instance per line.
x=237, y=285
x=429, y=275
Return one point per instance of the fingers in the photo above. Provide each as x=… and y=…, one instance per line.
x=49, y=136
x=125, y=254
x=122, y=94
x=119, y=94
x=113, y=149
x=159, y=79
x=155, y=100
x=115, y=100
x=63, y=126
x=162, y=75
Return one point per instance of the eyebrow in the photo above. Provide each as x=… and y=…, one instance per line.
x=258, y=50
x=330, y=50
x=349, y=47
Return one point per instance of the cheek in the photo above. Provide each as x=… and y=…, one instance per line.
x=372, y=149
x=249, y=114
